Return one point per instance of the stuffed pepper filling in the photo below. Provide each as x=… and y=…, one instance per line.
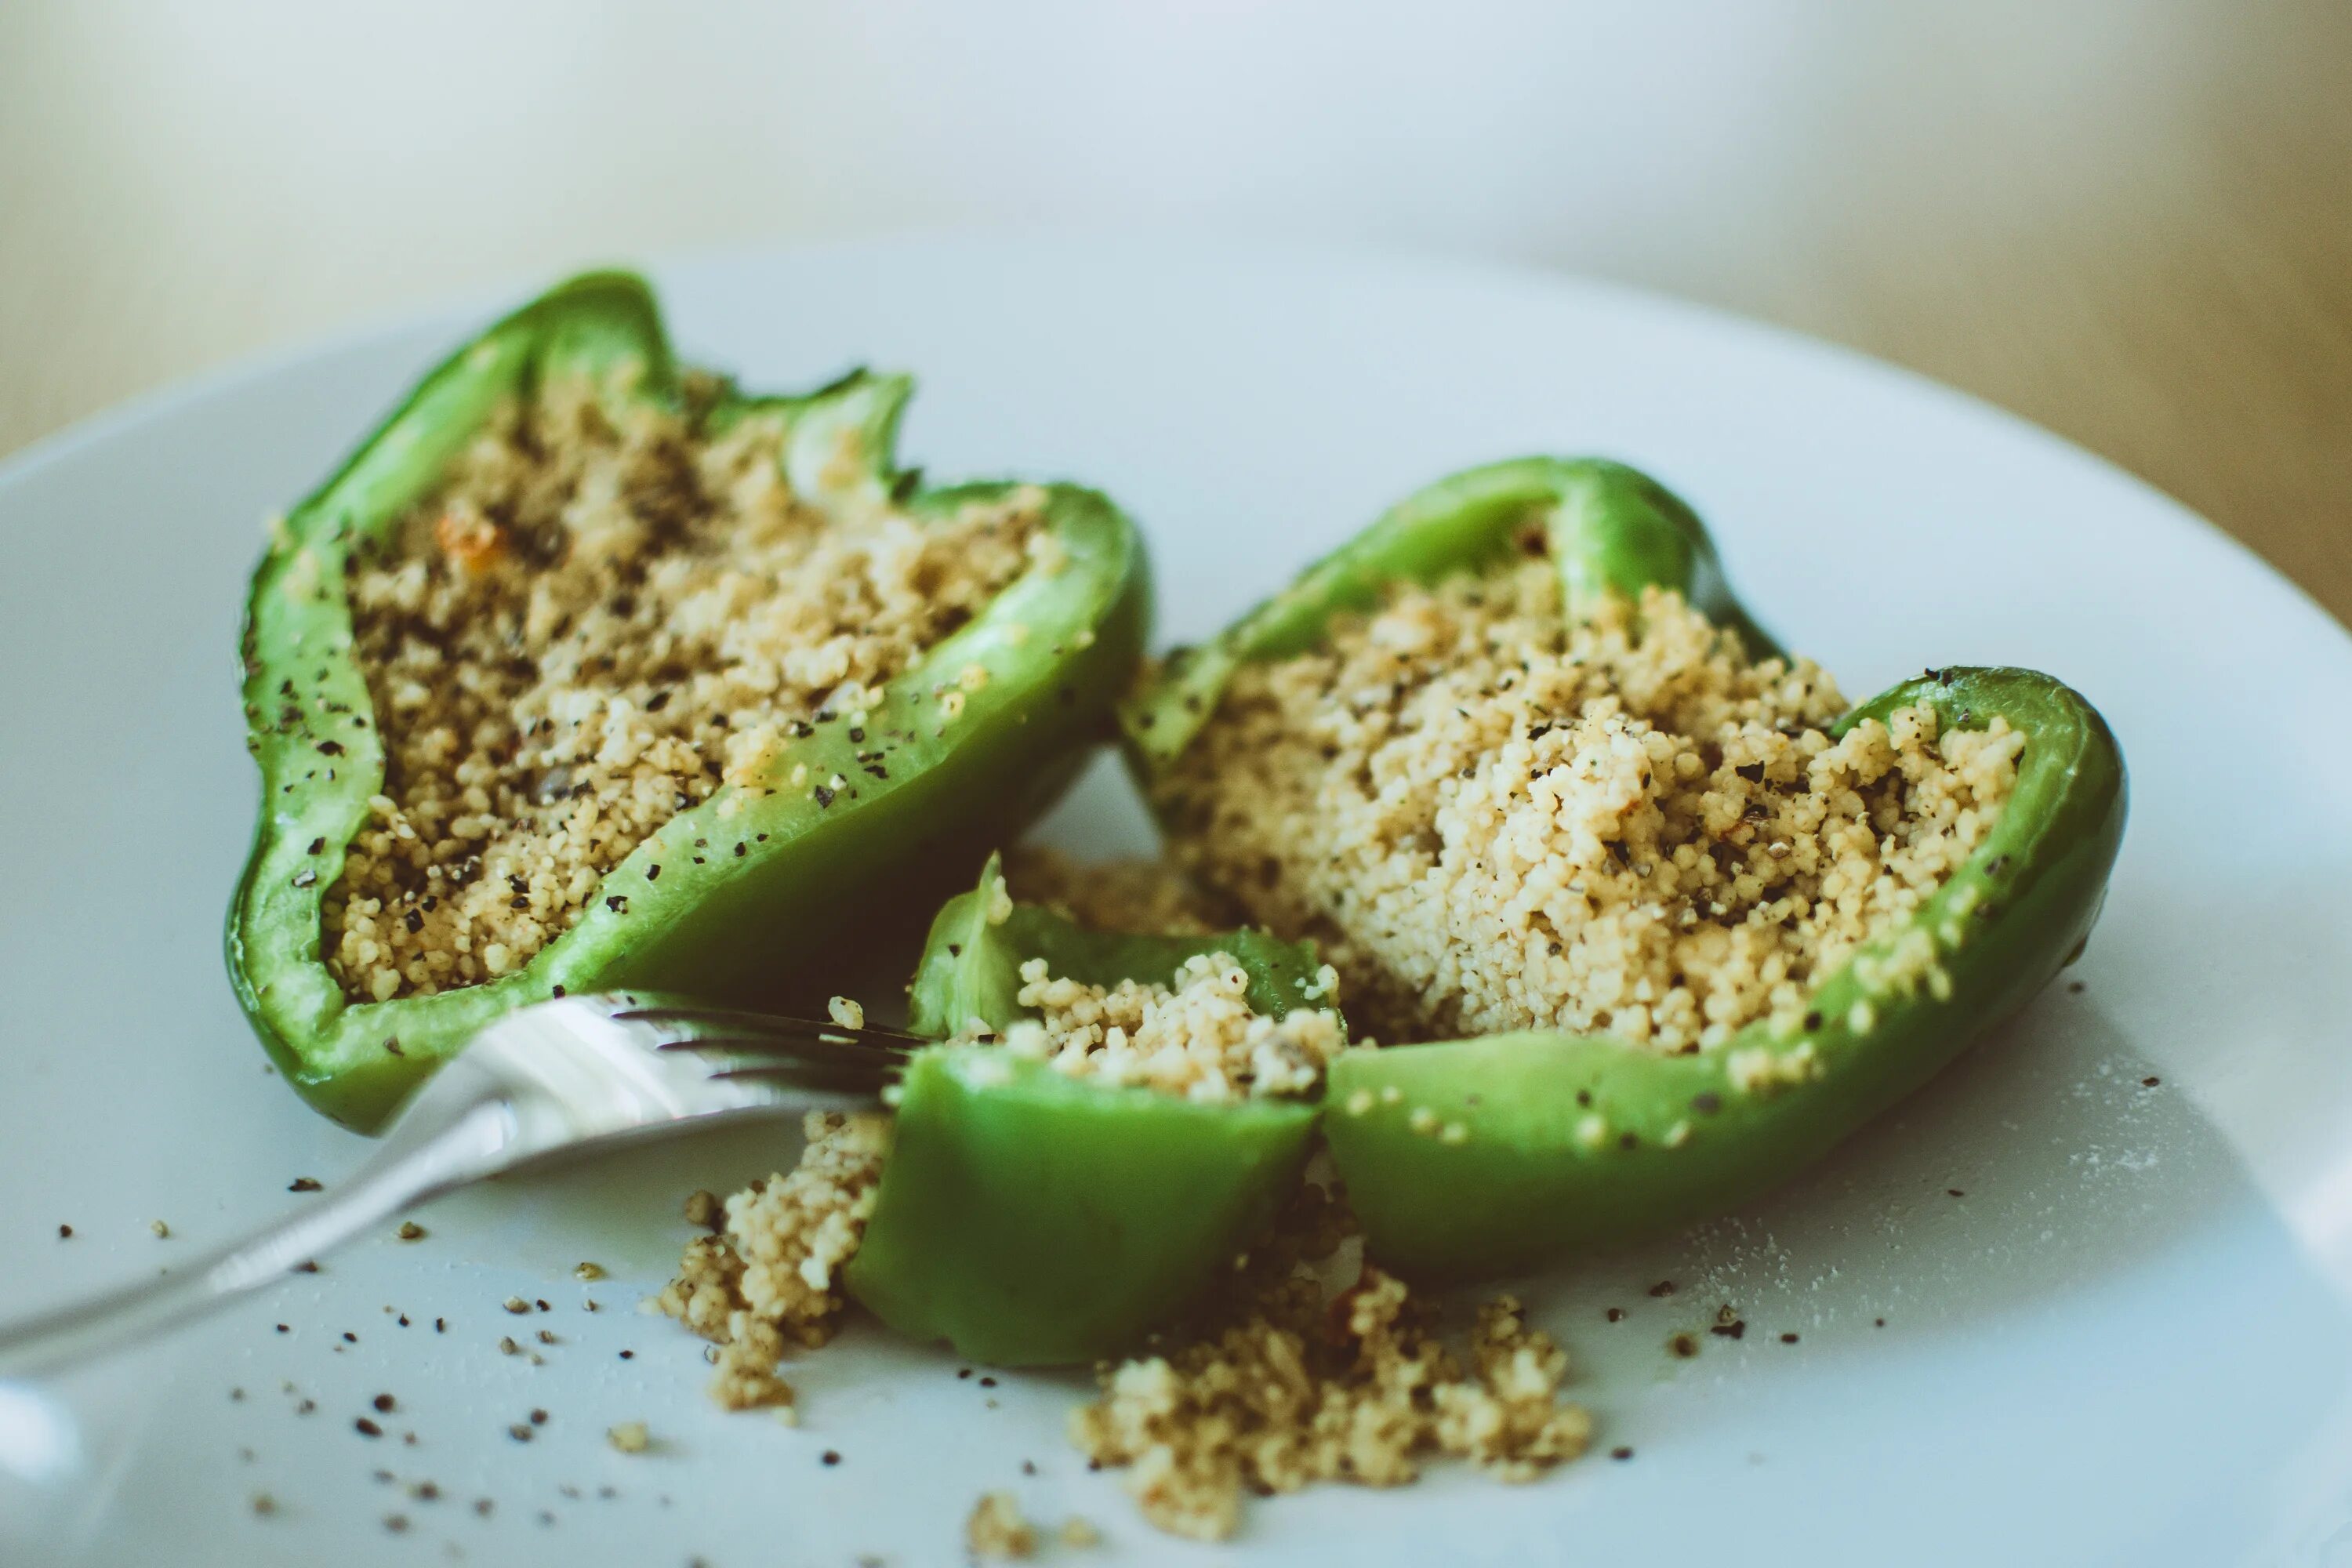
x=1492, y=819
x=1193, y=1034
x=608, y=610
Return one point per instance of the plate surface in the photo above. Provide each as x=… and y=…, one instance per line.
x=2081, y=1302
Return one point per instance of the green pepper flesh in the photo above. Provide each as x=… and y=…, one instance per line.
x=1028, y=1217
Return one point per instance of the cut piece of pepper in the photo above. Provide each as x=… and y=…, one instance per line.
x=809, y=865
x=1028, y=1217
x=1472, y=1157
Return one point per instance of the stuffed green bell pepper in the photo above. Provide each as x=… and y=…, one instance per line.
x=588, y=671
x=1034, y=1212
x=1646, y=918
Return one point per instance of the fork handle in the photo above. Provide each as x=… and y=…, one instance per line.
x=433, y=1155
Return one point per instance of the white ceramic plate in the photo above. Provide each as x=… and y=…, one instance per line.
x=2056, y=1310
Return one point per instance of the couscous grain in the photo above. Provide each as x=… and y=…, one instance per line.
x=1195, y=1035
x=1285, y=1382
x=997, y=1528
x=769, y=1280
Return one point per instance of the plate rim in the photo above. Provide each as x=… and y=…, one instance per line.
x=1401, y=263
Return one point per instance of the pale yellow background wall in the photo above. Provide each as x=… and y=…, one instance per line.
x=2129, y=219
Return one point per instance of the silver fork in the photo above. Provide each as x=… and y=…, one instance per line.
x=555, y=1079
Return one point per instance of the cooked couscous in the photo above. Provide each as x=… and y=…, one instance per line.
x=595, y=623
x=1194, y=1035
x=769, y=1281
x=1492, y=821
x=1299, y=1374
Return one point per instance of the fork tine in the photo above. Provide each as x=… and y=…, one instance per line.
x=810, y=1042
x=801, y=1061
x=755, y=1029
x=790, y=1063
x=864, y=1078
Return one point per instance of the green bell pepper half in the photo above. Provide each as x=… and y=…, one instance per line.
x=794, y=870
x=1534, y=1142
x=1028, y=1217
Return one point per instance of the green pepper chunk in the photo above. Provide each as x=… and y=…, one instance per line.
x=1478, y=1156
x=1029, y=1217
x=804, y=866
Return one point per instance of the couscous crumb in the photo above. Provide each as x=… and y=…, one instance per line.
x=1284, y=1383
x=997, y=1529
x=768, y=1281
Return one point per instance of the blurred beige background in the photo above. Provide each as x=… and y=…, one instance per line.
x=2130, y=220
